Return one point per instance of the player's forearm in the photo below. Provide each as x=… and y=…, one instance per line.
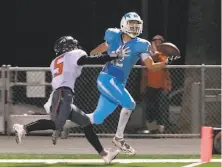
x=154, y=66
x=101, y=59
x=99, y=49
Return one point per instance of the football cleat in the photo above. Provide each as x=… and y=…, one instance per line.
x=126, y=148
x=19, y=132
x=111, y=155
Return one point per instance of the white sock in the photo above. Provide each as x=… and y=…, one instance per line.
x=90, y=117
x=123, y=119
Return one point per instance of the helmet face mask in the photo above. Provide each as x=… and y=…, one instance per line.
x=134, y=28
x=131, y=24
x=65, y=44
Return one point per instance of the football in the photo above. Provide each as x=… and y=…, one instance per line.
x=168, y=49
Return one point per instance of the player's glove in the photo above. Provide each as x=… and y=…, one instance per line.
x=171, y=59
x=120, y=52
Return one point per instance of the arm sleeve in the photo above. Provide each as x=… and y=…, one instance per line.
x=101, y=59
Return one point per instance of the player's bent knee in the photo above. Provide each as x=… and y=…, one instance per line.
x=131, y=105
x=98, y=117
x=98, y=120
x=84, y=121
x=80, y=118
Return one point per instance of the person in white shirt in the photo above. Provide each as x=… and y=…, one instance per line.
x=65, y=69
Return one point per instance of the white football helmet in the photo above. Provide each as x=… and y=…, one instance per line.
x=133, y=29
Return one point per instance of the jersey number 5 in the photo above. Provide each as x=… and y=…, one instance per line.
x=58, y=66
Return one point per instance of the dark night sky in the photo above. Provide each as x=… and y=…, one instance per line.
x=33, y=26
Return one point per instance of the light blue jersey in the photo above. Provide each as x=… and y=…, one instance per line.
x=113, y=77
x=121, y=68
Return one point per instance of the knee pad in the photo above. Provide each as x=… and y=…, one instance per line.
x=130, y=105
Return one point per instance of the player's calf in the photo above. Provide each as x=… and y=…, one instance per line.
x=118, y=140
x=80, y=118
x=93, y=139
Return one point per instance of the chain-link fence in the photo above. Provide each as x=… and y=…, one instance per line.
x=193, y=101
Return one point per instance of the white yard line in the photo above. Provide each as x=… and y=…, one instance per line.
x=195, y=161
x=193, y=165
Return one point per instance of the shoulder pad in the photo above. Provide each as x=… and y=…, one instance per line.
x=144, y=45
x=111, y=33
x=77, y=53
x=141, y=40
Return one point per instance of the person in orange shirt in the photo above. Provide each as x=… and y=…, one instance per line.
x=158, y=85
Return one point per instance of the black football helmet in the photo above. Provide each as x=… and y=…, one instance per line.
x=65, y=44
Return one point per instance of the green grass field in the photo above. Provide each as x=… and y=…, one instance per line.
x=98, y=165
x=95, y=165
x=53, y=157
x=95, y=156
x=111, y=165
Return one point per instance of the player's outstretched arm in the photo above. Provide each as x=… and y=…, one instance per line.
x=103, y=58
x=99, y=59
x=100, y=49
x=154, y=66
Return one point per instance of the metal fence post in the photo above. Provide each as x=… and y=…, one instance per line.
x=203, y=95
x=3, y=96
x=8, y=99
x=195, y=108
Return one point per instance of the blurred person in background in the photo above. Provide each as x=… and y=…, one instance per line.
x=157, y=85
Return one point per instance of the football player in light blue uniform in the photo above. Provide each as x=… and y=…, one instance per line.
x=113, y=77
